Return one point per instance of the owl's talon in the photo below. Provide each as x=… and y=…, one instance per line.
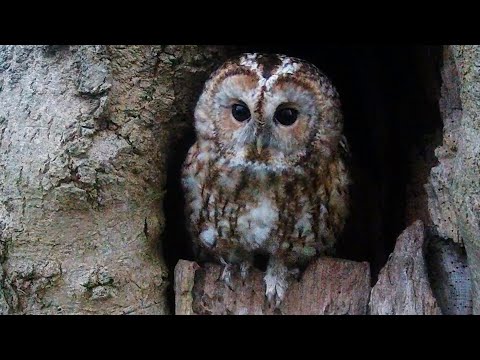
x=275, y=295
x=226, y=276
x=276, y=282
x=244, y=268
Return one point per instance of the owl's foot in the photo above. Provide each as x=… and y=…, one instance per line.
x=226, y=276
x=276, y=282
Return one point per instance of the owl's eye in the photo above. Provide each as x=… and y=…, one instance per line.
x=240, y=112
x=286, y=116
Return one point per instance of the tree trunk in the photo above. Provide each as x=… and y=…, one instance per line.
x=453, y=189
x=84, y=132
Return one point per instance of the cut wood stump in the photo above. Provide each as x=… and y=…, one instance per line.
x=331, y=286
x=328, y=286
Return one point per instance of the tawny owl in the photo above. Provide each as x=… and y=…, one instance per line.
x=266, y=174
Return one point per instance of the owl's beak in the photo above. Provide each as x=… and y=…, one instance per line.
x=259, y=145
x=262, y=142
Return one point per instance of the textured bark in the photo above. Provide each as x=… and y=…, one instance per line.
x=327, y=287
x=331, y=287
x=454, y=197
x=83, y=136
x=450, y=276
x=440, y=196
x=403, y=286
x=184, y=282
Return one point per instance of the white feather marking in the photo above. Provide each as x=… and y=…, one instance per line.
x=250, y=60
x=226, y=181
x=203, y=156
x=257, y=223
x=190, y=183
x=304, y=224
x=287, y=67
x=209, y=236
x=276, y=165
x=223, y=223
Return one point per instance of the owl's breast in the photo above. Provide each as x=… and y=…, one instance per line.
x=257, y=222
x=236, y=210
x=249, y=212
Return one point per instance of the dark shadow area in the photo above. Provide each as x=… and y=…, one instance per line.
x=392, y=123
x=176, y=240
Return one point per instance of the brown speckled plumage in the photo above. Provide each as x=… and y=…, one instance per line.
x=261, y=187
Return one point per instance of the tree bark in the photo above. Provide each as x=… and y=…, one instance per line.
x=403, y=286
x=449, y=276
x=84, y=132
x=453, y=196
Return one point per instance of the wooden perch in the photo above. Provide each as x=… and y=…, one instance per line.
x=328, y=286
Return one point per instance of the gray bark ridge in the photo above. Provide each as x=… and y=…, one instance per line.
x=453, y=191
x=84, y=132
x=403, y=286
x=450, y=276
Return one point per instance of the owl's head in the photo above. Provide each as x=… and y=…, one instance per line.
x=269, y=111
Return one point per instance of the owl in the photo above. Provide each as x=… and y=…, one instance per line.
x=267, y=174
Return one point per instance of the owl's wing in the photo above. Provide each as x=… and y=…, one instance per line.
x=193, y=179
